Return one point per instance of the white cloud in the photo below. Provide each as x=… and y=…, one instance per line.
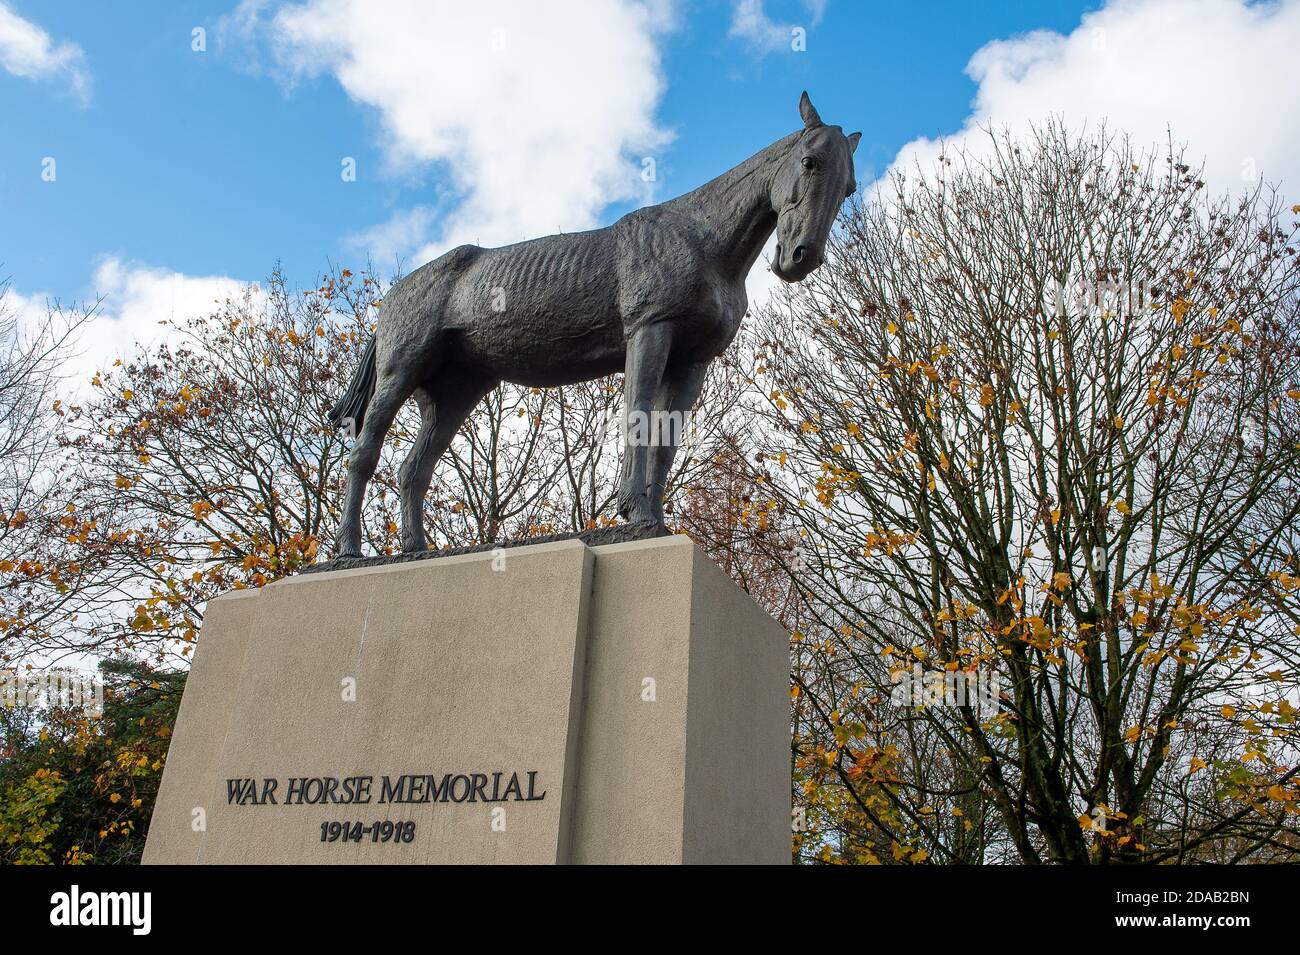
x=138, y=297
x=393, y=242
x=135, y=299
x=27, y=311
x=762, y=282
x=1215, y=73
x=541, y=112
x=27, y=51
x=750, y=22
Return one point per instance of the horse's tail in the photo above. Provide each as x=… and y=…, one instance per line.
x=352, y=406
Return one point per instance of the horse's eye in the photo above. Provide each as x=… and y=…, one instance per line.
x=810, y=163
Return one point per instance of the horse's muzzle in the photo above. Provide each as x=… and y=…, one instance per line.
x=798, y=264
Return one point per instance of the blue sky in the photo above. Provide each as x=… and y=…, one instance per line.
x=184, y=160
x=173, y=164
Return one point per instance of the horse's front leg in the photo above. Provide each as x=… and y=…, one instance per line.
x=647, y=357
x=677, y=396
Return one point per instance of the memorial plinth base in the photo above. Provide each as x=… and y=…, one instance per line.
x=625, y=703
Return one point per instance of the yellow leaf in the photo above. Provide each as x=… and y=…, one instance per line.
x=1228, y=712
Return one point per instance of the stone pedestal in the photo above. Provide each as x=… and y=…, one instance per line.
x=625, y=703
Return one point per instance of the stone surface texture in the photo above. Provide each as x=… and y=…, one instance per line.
x=647, y=692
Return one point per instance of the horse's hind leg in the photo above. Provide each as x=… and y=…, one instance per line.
x=417, y=471
x=390, y=391
x=444, y=406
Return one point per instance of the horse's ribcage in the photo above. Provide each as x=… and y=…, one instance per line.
x=524, y=306
x=543, y=272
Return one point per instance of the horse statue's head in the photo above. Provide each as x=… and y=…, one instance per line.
x=814, y=178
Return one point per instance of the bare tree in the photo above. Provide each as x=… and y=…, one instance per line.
x=1037, y=420
x=32, y=591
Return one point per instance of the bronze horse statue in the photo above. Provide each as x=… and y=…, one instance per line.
x=658, y=295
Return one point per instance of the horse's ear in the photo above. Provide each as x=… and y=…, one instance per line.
x=808, y=112
x=853, y=142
